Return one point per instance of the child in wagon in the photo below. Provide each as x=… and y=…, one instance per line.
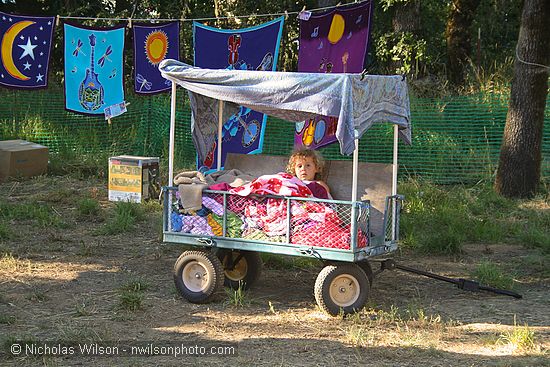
x=308, y=165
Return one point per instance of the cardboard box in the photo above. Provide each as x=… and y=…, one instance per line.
x=133, y=178
x=20, y=158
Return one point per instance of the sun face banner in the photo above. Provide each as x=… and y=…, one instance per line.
x=93, y=68
x=333, y=42
x=255, y=48
x=25, y=50
x=152, y=44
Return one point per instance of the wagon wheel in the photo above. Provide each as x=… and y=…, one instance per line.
x=198, y=276
x=240, y=267
x=341, y=288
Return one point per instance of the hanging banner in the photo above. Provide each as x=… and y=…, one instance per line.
x=333, y=42
x=152, y=44
x=26, y=43
x=255, y=48
x=93, y=68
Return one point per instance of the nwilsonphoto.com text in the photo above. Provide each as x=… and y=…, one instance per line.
x=143, y=349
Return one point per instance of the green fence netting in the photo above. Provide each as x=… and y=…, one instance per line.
x=455, y=139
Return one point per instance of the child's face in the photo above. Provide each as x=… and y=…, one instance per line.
x=305, y=168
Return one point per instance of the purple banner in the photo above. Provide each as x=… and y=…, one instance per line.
x=152, y=44
x=255, y=48
x=333, y=42
x=26, y=43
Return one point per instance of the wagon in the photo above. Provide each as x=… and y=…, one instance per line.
x=358, y=225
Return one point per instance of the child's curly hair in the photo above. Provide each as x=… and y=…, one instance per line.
x=306, y=153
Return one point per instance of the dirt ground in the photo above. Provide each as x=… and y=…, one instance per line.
x=64, y=284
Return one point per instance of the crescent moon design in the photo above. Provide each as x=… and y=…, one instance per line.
x=7, y=46
x=336, y=29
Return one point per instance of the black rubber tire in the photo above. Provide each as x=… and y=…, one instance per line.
x=245, y=272
x=194, y=265
x=365, y=265
x=338, y=275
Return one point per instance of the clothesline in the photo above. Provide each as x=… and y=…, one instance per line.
x=285, y=13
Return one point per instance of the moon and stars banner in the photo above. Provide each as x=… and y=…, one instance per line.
x=25, y=49
x=333, y=42
x=255, y=48
x=152, y=44
x=93, y=68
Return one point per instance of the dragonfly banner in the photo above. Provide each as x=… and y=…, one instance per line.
x=152, y=44
x=333, y=42
x=93, y=68
x=255, y=48
x=26, y=43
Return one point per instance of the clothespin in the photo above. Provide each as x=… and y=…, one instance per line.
x=403, y=77
x=303, y=14
x=363, y=73
x=57, y=20
x=286, y=15
x=340, y=3
x=130, y=22
x=109, y=121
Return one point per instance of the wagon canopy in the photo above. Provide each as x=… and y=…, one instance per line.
x=358, y=102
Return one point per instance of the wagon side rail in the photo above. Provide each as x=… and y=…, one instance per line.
x=352, y=223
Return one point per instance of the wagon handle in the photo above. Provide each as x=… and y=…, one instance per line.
x=468, y=285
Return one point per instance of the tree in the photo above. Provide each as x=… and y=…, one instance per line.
x=518, y=173
x=458, y=38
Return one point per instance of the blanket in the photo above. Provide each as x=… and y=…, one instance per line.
x=190, y=186
x=283, y=184
x=233, y=178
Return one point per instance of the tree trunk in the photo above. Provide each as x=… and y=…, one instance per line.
x=518, y=173
x=458, y=38
x=406, y=19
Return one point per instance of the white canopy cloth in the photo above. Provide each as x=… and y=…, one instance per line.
x=358, y=101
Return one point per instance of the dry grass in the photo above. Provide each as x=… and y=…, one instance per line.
x=89, y=287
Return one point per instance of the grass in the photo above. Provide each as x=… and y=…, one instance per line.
x=275, y=261
x=126, y=215
x=441, y=219
x=237, y=297
x=131, y=295
x=88, y=207
x=7, y=319
x=491, y=274
x=521, y=338
x=11, y=264
x=41, y=213
x=5, y=231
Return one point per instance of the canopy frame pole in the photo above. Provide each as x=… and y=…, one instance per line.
x=394, y=181
x=353, y=226
x=171, y=149
x=172, y=134
x=220, y=132
x=355, y=168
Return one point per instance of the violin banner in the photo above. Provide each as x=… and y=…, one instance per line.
x=152, y=44
x=255, y=48
x=333, y=42
x=26, y=43
x=93, y=68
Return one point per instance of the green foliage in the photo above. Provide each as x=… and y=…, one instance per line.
x=88, y=207
x=440, y=219
x=5, y=231
x=126, y=214
x=492, y=275
x=237, y=297
x=41, y=213
x=403, y=47
x=131, y=295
